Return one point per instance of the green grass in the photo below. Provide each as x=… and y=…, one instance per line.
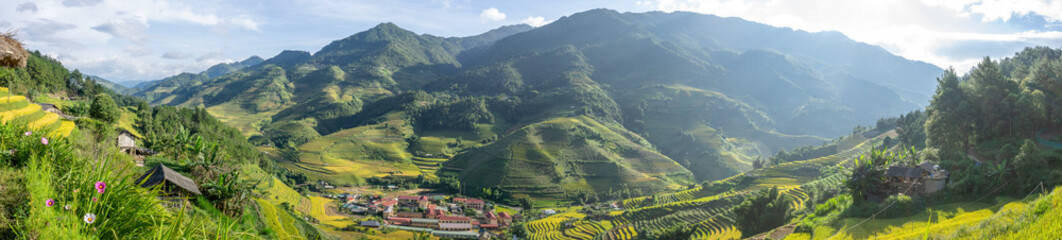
x=127, y=120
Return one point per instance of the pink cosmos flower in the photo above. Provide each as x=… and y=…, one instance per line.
x=95, y=199
x=44, y=141
x=101, y=186
x=49, y=202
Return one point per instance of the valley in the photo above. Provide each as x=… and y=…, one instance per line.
x=597, y=125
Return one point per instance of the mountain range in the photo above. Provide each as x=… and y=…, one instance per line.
x=590, y=102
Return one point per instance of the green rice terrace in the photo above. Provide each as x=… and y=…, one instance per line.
x=708, y=207
x=17, y=109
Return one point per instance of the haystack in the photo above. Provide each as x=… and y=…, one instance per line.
x=11, y=52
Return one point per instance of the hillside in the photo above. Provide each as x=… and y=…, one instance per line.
x=691, y=95
x=16, y=109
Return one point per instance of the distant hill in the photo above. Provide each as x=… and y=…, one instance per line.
x=150, y=89
x=592, y=101
x=112, y=85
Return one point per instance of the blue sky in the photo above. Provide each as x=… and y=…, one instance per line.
x=125, y=40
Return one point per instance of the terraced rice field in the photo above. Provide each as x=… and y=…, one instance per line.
x=428, y=165
x=349, y=156
x=624, y=232
x=711, y=212
x=550, y=227
x=15, y=108
x=584, y=230
x=278, y=220
x=319, y=211
x=716, y=228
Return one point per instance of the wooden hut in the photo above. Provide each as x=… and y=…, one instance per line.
x=177, y=187
x=126, y=142
x=924, y=178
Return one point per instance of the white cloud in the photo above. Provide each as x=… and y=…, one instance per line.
x=914, y=29
x=27, y=7
x=79, y=3
x=992, y=10
x=116, y=39
x=130, y=29
x=492, y=14
x=535, y=21
x=175, y=55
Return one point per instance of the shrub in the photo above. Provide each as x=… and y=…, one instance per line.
x=104, y=109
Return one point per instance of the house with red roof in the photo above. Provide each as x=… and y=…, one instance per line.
x=455, y=223
x=505, y=218
x=414, y=201
x=470, y=203
x=490, y=218
x=399, y=221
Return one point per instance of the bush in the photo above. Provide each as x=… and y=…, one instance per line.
x=763, y=212
x=104, y=109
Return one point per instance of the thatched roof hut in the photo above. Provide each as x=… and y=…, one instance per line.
x=173, y=182
x=12, y=54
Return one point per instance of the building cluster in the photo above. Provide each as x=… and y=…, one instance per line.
x=456, y=218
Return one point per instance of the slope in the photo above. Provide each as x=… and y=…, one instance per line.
x=629, y=71
x=568, y=154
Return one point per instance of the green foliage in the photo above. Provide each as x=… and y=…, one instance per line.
x=460, y=115
x=866, y=178
x=57, y=172
x=765, y=211
x=104, y=109
x=290, y=134
x=911, y=129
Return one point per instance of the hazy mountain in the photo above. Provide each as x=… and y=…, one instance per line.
x=150, y=89
x=112, y=85
x=591, y=101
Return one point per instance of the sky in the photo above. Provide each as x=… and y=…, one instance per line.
x=135, y=40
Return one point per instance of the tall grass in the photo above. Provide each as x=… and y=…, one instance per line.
x=57, y=171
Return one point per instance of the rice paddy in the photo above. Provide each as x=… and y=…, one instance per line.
x=15, y=108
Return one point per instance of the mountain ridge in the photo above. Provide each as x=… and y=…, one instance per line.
x=626, y=70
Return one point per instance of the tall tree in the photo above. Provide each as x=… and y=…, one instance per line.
x=946, y=125
x=104, y=109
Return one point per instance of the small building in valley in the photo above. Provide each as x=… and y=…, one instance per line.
x=126, y=142
x=177, y=188
x=924, y=178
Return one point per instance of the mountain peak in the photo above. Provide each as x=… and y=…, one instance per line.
x=253, y=60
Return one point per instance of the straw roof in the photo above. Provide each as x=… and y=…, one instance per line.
x=162, y=174
x=12, y=54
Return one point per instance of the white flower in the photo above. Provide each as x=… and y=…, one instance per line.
x=90, y=218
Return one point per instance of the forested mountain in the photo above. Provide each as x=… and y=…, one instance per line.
x=591, y=102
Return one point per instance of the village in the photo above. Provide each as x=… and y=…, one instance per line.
x=442, y=216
